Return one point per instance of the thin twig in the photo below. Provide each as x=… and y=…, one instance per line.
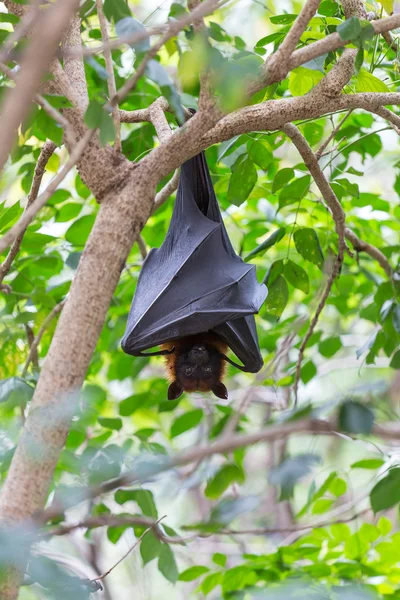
x=324, y=186
x=389, y=116
x=361, y=246
x=47, y=150
x=45, y=104
x=112, y=89
x=30, y=213
x=320, y=152
x=175, y=27
x=168, y=189
x=57, y=309
x=142, y=246
x=335, y=272
x=137, y=542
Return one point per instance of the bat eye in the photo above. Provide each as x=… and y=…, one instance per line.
x=208, y=370
x=188, y=370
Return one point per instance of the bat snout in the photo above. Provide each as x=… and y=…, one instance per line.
x=199, y=353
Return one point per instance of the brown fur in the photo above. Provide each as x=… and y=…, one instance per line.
x=181, y=347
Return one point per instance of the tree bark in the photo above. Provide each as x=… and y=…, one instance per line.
x=117, y=225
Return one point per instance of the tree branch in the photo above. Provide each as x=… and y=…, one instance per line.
x=339, y=218
x=271, y=433
x=320, y=152
x=137, y=542
x=112, y=89
x=203, y=9
x=372, y=251
x=33, y=349
x=275, y=65
x=47, y=150
x=41, y=200
x=17, y=102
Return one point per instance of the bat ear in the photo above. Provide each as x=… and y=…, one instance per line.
x=175, y=390
x=220, y=390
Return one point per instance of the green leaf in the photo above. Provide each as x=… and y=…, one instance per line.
x=350, y=29
x=167, y=564
x=68, y=212
x=229, y=508
x=355, y=417
x=386, y=493
x=260, y=154
x=297, y=276
x=79, y=231
x=227, y=475
x=271, y=240
x=290, y=471
x=242, y=181
x=366, y=82
x=219, y=559
x=274, y=271
x=338, y=487
x=371, y=463
x=395, y=362
x=359, y=60
x=8, y=216
x=186, y=422
x=328, y=8
x=294, y=191
x=49, y=127
x=81, y=188
x=129, y=26
x=193, y=573
x=281, y=178
x=115, y=10
x=150, y=547
x=15, y=390
x=115, y=424
x=283, y=19
x=388, y=5
x=308, y=371
x=307, y=244
x=144, y=498
x=302, y=80
x=107, y=129
x=278, y=295
x=313, y=133
x=94, y=114
x=329, y=346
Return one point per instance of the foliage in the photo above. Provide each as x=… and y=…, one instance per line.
x=277, y=219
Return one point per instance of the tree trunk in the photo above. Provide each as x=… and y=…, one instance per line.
x=118, y=223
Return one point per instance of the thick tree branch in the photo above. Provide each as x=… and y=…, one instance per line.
x=276, y=65
x=47, y=150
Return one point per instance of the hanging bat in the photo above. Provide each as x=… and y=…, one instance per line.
x=195, y=296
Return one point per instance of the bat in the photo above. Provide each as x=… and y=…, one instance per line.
x=196, y=285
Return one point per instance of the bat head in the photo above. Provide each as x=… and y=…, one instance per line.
x=198, y=366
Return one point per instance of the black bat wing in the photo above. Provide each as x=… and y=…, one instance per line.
x=195, y=282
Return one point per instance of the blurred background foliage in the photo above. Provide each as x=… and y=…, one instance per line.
x=276, y=218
